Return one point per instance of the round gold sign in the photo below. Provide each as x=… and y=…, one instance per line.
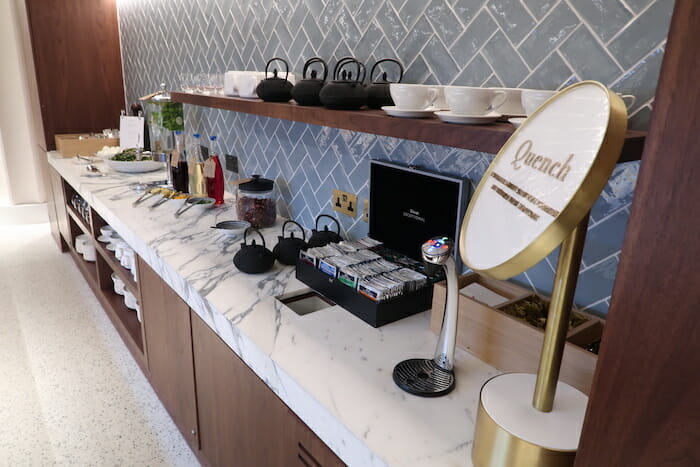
x=544, y=180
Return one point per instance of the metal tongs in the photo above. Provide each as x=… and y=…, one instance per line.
x=147, y=191
x=185, y=206
x=165, y=198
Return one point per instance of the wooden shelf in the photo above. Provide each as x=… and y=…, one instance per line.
x=484, y=138
x=116, y=267
x=79, y=221
x=87, y=269
x=124, y=318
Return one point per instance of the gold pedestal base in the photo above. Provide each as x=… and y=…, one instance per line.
x=496, y=445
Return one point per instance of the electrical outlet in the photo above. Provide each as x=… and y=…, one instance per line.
x=344, y=202
x=365, y=210
x=232, y=163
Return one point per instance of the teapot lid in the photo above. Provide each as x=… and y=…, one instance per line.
x=257, y=184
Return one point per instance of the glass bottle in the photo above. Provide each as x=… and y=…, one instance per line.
x=195, y=167
x=214, y=174
x=178, y=165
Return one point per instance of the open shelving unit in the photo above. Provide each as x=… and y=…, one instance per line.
x=485, y=138
x=98, y=274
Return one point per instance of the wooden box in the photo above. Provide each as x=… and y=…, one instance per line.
x=511, y=344
x=70, y=145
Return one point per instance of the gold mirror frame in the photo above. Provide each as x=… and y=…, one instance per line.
x=593, y=183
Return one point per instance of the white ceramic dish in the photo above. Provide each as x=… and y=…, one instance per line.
x=106, y=230
x=516, y=121
x=231, y=228
x=450, y=117
x=130, y=300
x=104, y=239
x=134, y=166
x=118, y=285
x=404, y=113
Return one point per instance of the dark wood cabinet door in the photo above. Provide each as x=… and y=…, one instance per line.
x=242, y=422
x=78, y=65
x=167, y=330
x=58, y=218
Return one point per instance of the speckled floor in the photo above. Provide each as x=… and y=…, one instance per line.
x=70, y=393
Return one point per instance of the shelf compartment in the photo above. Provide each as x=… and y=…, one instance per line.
x=484, y=138
x=116, y=267
x=125, y=320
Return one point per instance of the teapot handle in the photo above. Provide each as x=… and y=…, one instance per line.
x=337, y=224
x=245, y=236
x=345, y=61
x=311, y=61
x=303, y=234
x=286, y=66
x=371, y=73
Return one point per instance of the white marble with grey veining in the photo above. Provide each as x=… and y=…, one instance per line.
x=332, y=369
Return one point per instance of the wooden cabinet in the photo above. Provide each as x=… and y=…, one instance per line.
x=78, y=65
x=242, y=422
x=58, y=218
x=228, y=415
x=167, y=330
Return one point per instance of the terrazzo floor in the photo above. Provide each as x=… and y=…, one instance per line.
x=70, y=392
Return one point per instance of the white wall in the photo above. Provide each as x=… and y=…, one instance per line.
x=22, y=162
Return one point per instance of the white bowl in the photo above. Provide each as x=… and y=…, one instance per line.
x=232, y=228
x=118, y=284
x=130, y=300
x=135, y=166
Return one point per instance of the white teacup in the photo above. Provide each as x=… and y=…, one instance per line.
x=118, y=284
x=89, y=253
x=465, y=100
x=440, y=101
x=129, y=300
x=513, y=104
x=230, y=84
x=80, y=243
x=532, y=99
x=246, y=83
x=412, y=96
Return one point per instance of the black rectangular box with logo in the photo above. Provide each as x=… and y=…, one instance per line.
x=408, y=206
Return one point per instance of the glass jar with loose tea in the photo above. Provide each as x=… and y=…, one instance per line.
x=256, y=202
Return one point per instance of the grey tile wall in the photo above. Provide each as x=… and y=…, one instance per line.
x=545, y=44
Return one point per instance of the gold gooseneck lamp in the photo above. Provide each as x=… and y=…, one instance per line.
x=535, y=196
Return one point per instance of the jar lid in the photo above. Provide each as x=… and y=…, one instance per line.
x=257, y=184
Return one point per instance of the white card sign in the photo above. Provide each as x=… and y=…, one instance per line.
x=131, y=132
x=544, y=180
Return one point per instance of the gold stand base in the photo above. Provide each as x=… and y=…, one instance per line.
x=496, y=445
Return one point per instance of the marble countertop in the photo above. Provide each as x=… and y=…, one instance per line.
x=332, y=369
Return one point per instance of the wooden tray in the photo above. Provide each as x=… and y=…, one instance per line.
x=511, y=344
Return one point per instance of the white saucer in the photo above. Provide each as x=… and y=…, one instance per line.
x=104, y=239
x=395, y=111
x=450, y=117
x=517, y=121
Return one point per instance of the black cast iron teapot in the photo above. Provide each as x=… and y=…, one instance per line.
x=275, y=89
x=325, y=236
x=306, y=91
x=378, y=94
x=345, y=92
x=287, y=249
x=253, y=258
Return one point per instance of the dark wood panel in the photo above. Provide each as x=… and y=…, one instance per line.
x=485, y=138
x=78, y=64
x=644, y=408
x=166, y=321
x=56, y=205
x=241, y=421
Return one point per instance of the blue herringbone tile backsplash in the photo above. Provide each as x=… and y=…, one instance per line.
x=545, y=44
